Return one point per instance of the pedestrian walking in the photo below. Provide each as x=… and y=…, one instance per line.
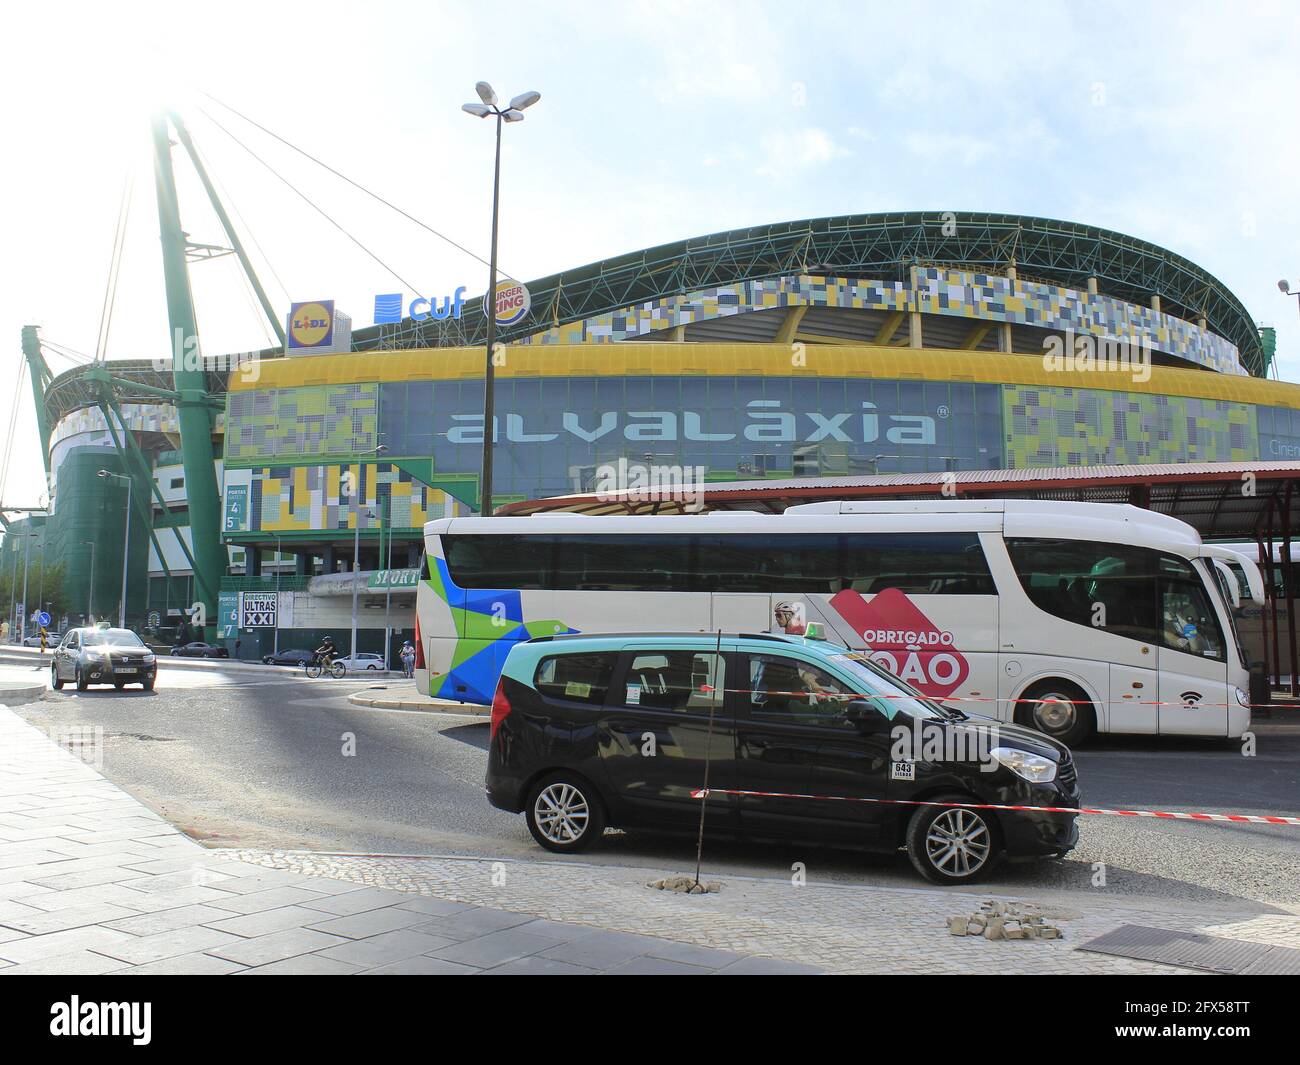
x=408, y=660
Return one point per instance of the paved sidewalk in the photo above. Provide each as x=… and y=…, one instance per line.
x=93, y=882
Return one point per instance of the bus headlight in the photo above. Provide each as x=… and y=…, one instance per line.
x=1031, y=767
x=1242, y=697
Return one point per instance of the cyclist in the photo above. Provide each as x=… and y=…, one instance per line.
x=325, y=652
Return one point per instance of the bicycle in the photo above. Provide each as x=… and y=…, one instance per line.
x=316, y=667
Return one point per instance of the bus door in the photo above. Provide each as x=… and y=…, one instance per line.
x=1194, y=653
x=1135, y=689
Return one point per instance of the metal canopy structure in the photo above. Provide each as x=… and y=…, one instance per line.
x=876, y=246
x=1219, y=499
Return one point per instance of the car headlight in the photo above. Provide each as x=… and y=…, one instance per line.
x=1031, y=767
x=1242, y=697
x=149, y=660
x=95, y=656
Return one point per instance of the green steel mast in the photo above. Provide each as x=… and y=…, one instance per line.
x=40, y=374
x=189, y=379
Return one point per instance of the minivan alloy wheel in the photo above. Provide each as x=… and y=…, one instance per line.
x=958, y=842
x=561, y=813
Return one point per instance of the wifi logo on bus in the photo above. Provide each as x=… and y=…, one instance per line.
x=901, y=638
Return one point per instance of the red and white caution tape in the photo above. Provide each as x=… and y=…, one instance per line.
x=831, y=696
x=1168, y=815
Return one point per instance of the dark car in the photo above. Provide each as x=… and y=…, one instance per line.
x=198, y=649
x=288, y=658
x=89, y=656
x=804, y=740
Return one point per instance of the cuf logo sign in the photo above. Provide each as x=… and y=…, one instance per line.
x=311, y=325
x=512, y=302
x=388, y=307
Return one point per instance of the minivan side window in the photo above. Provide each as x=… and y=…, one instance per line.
x=788, y=689
x=688, y=682
x=580, y=678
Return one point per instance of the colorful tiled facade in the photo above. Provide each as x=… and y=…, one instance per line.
x=300, y=499
x=1085, y=427
x=987, y=297
x=322, y=421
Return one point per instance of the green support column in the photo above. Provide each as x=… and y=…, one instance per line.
x=40, y=375
x=193, y=408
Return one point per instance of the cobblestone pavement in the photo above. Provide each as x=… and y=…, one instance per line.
x=839, y=928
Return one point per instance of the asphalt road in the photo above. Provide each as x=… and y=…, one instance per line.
x=242, y=758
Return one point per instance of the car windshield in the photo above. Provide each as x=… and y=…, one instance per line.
x=895, y=694
x=112, y=638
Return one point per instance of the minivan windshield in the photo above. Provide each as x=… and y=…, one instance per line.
x=895, y=695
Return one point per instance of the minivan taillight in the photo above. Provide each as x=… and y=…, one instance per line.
x=500, y=709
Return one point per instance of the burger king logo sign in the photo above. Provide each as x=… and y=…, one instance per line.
x=512, y=302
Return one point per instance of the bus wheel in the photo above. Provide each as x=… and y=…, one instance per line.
x=1058, y=709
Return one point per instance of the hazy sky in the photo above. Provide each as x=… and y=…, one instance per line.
x=1173, y=122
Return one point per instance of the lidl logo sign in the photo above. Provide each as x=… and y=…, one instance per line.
x=512, y=302
x=311, y=325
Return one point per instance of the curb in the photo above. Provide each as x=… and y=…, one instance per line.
x=14, y=693
x=400, y=702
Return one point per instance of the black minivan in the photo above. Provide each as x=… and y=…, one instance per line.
x=803, y=740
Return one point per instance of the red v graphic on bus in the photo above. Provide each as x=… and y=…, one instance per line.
x=901, y=638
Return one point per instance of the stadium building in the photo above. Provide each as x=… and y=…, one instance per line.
x=860, y=345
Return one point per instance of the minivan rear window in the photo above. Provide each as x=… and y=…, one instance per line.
x=579, y=678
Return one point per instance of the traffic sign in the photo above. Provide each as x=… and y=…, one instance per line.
x=43, y=619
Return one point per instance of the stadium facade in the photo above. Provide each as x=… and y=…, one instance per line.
x=854, y=345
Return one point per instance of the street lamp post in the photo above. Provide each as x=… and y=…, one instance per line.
x=513, y=113
x=356, y=551
x=27, y=556
x=275, y=638
x=126, y=546
x=356, y=573
x=13, y=584
x=90, y=588
x=388, y=588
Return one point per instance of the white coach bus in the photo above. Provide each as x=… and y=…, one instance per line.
x=1070, y=617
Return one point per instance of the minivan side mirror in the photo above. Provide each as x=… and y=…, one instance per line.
x=864, y=716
